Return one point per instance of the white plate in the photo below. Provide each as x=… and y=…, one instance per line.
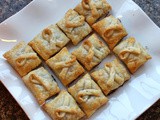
x=126, y=103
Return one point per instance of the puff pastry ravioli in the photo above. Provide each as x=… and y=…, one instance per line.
x=113, y=75
x=63, y=107
x=22, y=58
x=91, y=52
x=132, y=54
x=111, y=29
x=74, y=26
x=93, y=9
x=41, y=83
x=88, y=94
x=65, y=66
x=49, y=41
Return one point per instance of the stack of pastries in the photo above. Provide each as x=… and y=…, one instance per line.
x=103, y=35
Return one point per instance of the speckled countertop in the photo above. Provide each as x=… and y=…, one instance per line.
x=10, y=110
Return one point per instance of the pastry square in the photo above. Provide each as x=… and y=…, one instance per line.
x=92, y=10
x=65, y=66
x=22, y=58
x=112, y=76
x=91, y=52
x=111, y=30
x=88, y=95
x=74, y=26
x=132, y=54
x=41, y=84
x=49, y=41
x=63, y=107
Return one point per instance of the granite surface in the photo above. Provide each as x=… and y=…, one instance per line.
x=10, y=110
x=151, y=8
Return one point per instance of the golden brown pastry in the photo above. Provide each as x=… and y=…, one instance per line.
x=74, y=26
x=41, y=84
x=22, y=58
x=91, y=52
x=112, y=76
x=132, y=54
x=63, y=107
x=111, y=30
x=49, y=41
x=65, y=66
x=92, y=10
x=88, y=95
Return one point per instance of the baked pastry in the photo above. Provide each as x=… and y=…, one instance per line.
x=22, y=58
x=74, y=26
x=112, y=76
x=63, y=107
x=88, y=94
x=111, y=30
x=65, y=66
x=132, y=54
x=49, y=41
x=91, y=52
x=41, y=84
x=92, y=10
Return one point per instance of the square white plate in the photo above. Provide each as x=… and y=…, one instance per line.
x=126, y=103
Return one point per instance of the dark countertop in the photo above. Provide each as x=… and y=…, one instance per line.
x=10, y=110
